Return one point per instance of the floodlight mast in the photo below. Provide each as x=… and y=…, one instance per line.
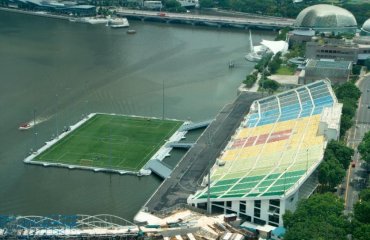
x=209, y=210
x=56, y=117
x=162, y=99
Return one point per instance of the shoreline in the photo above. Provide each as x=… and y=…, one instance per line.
x=37, y=13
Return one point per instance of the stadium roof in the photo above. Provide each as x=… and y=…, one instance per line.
x=275, y=148
x=323, y=16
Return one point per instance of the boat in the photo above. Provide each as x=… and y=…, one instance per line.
x=25, y=126
x=131, y=31
x=256, y=52
x=118, y=23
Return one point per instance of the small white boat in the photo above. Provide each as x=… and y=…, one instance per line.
x=25, y=126
x=118, y=23
x=131, y=31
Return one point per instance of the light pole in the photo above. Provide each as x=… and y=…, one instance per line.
x=162, y=99
x=209, y=208
x=34, y=130
x=306, y=160
x=56, y=117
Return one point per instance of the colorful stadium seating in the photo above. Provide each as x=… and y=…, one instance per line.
x=275, y=146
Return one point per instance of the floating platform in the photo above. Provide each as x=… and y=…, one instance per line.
x=110, y=143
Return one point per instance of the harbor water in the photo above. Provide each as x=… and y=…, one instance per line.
x=56, y=72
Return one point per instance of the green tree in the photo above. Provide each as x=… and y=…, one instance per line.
x=269, y=85
x=251, y=79
x=361, y=232
x=319, y=217
x=346, y=123
x=297, y=50
x=282, y=34
x=275, y=63
x=341, y=152
x=262, y=64
x=331, y=172
x=367, y=63
x=362, y=207
x=356, y=69
x=206, y=3
x=173, y=6
x=364, y=148
x=348, y=90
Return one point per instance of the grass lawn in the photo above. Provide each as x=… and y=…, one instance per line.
x=285, y=70
x=111, y=141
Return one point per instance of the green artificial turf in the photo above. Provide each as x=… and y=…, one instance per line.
x=112, y=141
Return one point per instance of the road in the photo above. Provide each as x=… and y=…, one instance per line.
x=248, y=21
x=355, y=175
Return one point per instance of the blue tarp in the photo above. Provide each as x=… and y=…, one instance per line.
x=279, y=231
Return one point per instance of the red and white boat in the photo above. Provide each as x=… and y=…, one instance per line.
x=25, y=126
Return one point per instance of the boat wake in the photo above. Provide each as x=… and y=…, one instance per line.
x=32, y=123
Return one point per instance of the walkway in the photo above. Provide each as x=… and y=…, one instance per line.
x=189, y=172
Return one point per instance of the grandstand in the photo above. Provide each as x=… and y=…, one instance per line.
x=267, y=165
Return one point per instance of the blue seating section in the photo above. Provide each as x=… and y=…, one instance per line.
x=291, y=106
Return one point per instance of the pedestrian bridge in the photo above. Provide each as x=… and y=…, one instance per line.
x=210, y=20
x=159, y=168
x=180, y=145
x=66, y=226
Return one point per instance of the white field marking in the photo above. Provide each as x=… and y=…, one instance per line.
x=61, y=156
x=156, y=146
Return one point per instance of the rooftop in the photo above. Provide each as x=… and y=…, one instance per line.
x=324, y=16
x=328, y=64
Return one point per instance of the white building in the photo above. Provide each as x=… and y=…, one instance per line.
x=270, y=162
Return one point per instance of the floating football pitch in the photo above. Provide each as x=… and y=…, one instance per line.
x=111, y=142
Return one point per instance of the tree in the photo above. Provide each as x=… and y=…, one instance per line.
x=262, y=64
x=367, y=63
x=361, y=232
x=173, y=5
x=349, y=106
x=206, y=3
x=282, y=34
x=356, y=69
x=364, y=148
x=348, y=90
x=362, y=207
x=345, y=124
x=270, y=85
x=251, y=79
x=275, y=63
x=319, y=217
x=361, y=221
x=331, y=172
x=341, y=152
